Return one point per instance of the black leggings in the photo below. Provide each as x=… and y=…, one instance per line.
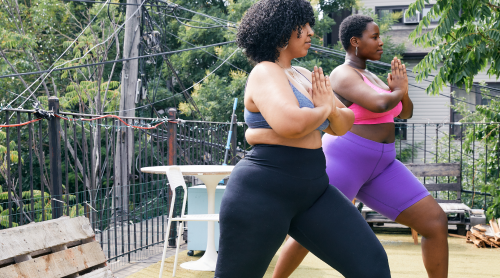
x=279, y=190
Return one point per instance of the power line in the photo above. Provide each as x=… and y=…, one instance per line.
x=112, y=3
x=119, y=60
x=73, y=42
x=341, y=54
x=179, y=38
x=200, y=27
x=409, y=84
x=336, y=52
x=206, y=76
x=183, y=18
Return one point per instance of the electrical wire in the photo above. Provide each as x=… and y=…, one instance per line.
x=111, y=3
x=215, y=56
x=183, y=18
x=199, y=27
x=413, y=85
x=179, y=38
x=216, y=19
x=181, y=91
x=336, y=52
x=120, y=60
x=73, y=42
x=85, y=54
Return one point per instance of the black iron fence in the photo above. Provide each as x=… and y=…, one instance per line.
x=70, y=164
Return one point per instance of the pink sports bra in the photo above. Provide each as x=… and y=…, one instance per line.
x=363, y=116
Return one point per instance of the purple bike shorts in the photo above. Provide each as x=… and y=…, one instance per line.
x=369, y=171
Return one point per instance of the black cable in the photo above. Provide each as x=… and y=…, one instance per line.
x=119, y=60
x=174, y=71
x=198, y=27
x=215, y=56
x=413, y=85
x=333, y=51
x=183, y=18
x=179, y=38
x=180, y=92
x=216, y=19
x=123, y=4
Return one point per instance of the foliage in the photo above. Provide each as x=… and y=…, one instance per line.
x=336, y=5
x=477, y=146
x=42, y=207
x=465, y=41
x=405, y=152
x=482, y=147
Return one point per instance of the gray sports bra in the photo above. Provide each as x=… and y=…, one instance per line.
x=256, y=120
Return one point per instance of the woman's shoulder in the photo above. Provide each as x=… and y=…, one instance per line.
x=266, y=67
x=265, y=71
x=344, y=72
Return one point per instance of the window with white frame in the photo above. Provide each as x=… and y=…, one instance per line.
x=384, y=11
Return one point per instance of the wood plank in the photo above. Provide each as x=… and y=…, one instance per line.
x=29, y=238
x=58, y=264
x=443, y=187
x=99, y=273
x=434, y=169
x=494, y=226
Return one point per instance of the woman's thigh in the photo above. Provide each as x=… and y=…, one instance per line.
x=253, y=225
x=392, y=191
x=334, y=230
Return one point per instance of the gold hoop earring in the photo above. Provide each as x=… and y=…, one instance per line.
x=356, y=51
x=285, y=47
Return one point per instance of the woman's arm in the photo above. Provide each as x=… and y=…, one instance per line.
x=349, y=84
x=341, y=119
x=270, y=93
x=407, y=111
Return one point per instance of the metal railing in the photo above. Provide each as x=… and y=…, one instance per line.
x=66, y=165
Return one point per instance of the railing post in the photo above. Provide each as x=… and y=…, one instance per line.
x=55, y=158
x=234, y=139
x=172, y=160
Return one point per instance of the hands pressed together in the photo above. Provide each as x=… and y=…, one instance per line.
x=321, y=91
x=397, y=79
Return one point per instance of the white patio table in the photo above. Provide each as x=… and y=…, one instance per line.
x=210, y=175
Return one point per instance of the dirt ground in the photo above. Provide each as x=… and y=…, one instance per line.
x=405, y=259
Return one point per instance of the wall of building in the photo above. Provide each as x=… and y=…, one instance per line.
x=426, y=109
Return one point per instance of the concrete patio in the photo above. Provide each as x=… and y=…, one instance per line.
x=405, y=260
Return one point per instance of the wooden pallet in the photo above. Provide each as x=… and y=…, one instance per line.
x=63, y=247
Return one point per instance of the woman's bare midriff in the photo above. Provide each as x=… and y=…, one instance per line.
x=382, y=133
x=268, y=136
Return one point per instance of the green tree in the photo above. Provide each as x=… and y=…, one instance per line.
x=465, y=41
x=481, y=151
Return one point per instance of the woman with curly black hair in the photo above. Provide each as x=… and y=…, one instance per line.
x=281, y=186
x=362, y=163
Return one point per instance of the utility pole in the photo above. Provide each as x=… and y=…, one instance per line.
x=124, y=139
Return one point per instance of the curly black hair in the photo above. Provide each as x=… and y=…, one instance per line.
x=352, y=26
x=268, y=25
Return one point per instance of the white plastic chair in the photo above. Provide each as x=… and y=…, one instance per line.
x=176, y=179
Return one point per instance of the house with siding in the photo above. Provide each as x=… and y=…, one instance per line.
x=427, y=108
